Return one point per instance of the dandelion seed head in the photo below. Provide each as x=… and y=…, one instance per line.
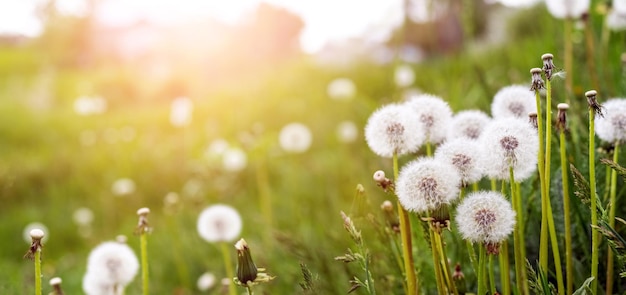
x=112, y=263
x=234, y=160
x=513, y=101
x=393, y=129
x=123, y=187
x=404, y=76
x=485, y=217
x=619, y=6
x=434, y=113
x=35, y=225
x=341, y=89
x=219, y=223
x=295, y=138
x=612, y=126
x=468, y=124
x=36, y=234
x=572, y=9
x=427, y=184
x=615, y=20
x=83, y=216
x=181, y=112
x=465, y=155
x=509, y=142
x=206, y=281
x=347, y=132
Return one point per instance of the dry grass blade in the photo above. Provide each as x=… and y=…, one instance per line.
x=582, y=186
x=617, y=167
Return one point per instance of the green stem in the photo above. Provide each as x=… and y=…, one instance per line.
x=518, y=198
x=38, y=271
x=144, y=262
x=595, y=239
x=407, y=246
x=555, y=252
x=504, y=268
x=429, y=149
x=543, y=240
x=249, y=290
x=437, y=263
x=569, y=268
x=481, y=270
x=612, y=205
x=518, y=239
x=444, y=264
x=368, y=277
x=492, y=277
x=230, y=274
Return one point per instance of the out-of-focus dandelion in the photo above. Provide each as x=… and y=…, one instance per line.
x=465, y=155
x=341, y=89
x=612, y=126
x=404, y=76
x=295, y=138
x=510, y=143
x=571, y=9
x=181, y=112
x=171, y=203
x=111, y=266
x=56, y=286
x=393, y=129
x=90, y=105
x=619, y=6
x=435, y=115
x=347, y=132
x=216, y=148
x=234, y=160
x=219, y=223
x=35, y=225
x=34, y=253
x=206, y=281
x=88, y=138
x=513, y=101
x=143, y=229
x=83, y=216
x=468, y=124
x=123, y=187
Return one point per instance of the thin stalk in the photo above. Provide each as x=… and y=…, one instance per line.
x=444, y=264
x=38, y=271
x=368, y=279
x=612, y=205
x=436, y=263
x=144, y=263
x=569, y=268
x=518, y=198
x=230, y=274
x=249, y=290
x=518, y=239
x=503, y=256
x=547, y=181
x=543, y=240
x=492, y=279
x=595, y=239
x=429, y=148
x=481, y=270
x=407, y=246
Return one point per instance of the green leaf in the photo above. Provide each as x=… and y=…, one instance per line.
x=585, y=289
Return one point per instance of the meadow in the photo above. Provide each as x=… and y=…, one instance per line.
x=54, y=161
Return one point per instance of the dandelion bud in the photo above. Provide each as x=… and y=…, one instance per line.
x=387, y=206
x=246, y=270
x=56, y=286
x=548, y=65
x=537, y=82
x=532, y=119
x=593, y=103
x=143, y=226
x=561, y=121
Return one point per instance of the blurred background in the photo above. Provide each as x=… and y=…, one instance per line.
x=107, y=106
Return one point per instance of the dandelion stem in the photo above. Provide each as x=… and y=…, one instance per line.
x=429, y=148
x=230, y=274
x=543, y=240
x=492, y=279
x=569, y=269
x=436, y=262
x=518, y=239
x=595, y=241
x=249, y=290
x=504, y=268
x=144, y=262
x=612, y=205
x=444, y=264
x=407, y=246
x=38, y=271
x=481, y=270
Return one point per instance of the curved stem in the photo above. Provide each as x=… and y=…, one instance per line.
x=230, y=274
x=38, y=271
x=595, y=239
x=407, y=246
x=569, y=268
x=144, y=262
x=612, y=204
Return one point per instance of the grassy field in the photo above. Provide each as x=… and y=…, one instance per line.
x=47, y=171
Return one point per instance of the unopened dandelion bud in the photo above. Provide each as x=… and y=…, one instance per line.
x=548, y=65
x=537, y=82
x=532, y=119
x=390, y=215
x=459, y=279
x=561, y=120
x=593, y=103
x=246, y=269
x=56, y=286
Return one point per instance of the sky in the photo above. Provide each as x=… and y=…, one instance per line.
x=325, y=20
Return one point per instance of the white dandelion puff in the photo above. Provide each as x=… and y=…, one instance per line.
x=485, y=217
x=35, y=225
x=347, y=132
x=295, y=138
x=434, y=113
x=394, y=129
x=234, y=160
x=219, y=223
x=123, y=187
x=465, y=155
x=572, y=9
x=110, y=265
x=206, y=281
x=509, y=142
x=615, y=20
x=468, y=124
x=341, y=89
x=426, y=184
x=513, y=101
x=612, y=126
x=181, y=112
x=619, y=6
x=404, y=76
x=83, y=216
x=90, y=105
